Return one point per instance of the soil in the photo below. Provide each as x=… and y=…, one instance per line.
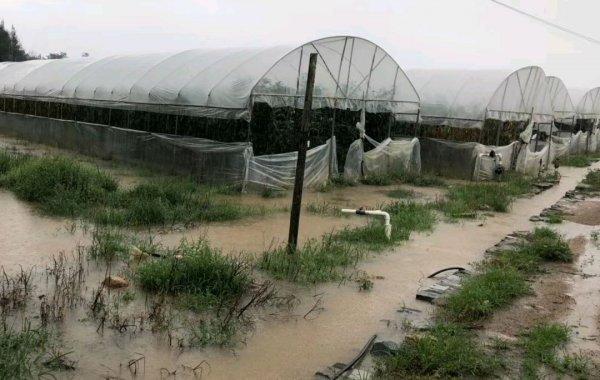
x=586, y=212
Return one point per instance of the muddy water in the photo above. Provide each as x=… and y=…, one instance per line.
x=279, y=346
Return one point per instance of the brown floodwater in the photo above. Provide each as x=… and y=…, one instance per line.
x=281, y=346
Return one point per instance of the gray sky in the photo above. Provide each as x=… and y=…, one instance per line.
x=417, y=33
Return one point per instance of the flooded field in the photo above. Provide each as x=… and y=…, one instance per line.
x=325, y=323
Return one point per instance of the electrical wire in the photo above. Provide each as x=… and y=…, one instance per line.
x=548, y=23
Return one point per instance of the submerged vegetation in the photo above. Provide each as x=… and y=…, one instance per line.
x=22, y=352
x=64, y=187
x=330, y=258
x=404, y=177
x=592, y=179
x=504, y=277
x=468, y=199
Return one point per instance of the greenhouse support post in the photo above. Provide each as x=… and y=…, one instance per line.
x=301, y=161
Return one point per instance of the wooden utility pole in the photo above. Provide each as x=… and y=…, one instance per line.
x=301, y=161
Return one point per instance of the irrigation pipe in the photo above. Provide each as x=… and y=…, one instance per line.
x=386, y=218
x=357, y=359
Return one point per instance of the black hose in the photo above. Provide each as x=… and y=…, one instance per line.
x=460, y=269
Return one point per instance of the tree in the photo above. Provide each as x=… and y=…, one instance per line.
x=60, y=55
x=16, y=52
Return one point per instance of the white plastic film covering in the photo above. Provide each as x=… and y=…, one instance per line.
x=278, y=171
x=559, y=147
x=393, y=156
x=522, y=92
x=465, y=98
x=562, y=105
x=352, y=73
x=532, y=163
x=589, y=106
x=578, y=143
x=456, y=98
x=354, y=160
x=485, y=165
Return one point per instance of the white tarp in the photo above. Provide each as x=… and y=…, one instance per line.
x=559, y=148
x=465, y=98
x=485, y=165
x=278, y=171
x=352, y=73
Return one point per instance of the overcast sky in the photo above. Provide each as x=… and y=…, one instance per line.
x=417, y=33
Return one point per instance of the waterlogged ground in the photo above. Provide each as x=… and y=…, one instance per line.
x=290, y=343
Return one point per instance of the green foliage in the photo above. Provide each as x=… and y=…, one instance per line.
x=405, y=217
x=315, y=261
x=65, y=187
x=108, y=245
x=540, y=346
x=212, y=332
x=323, y=208
x=59, y=185
x=549, y=245
x=377, y=180
x=21, y=352
x=578, y=161
x=336, y=182
x=269, y=192
x=466, y=200
x=446, y=351
x=484, y=293
x=405, y=177
x=196, y=268
x=592, y=179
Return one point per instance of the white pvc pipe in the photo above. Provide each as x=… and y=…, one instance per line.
x=386, y=218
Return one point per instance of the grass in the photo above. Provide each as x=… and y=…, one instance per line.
x=108, y=245
x=269, y=193
x=314, y=262
x=22, y=352
x=212, y=332
x=64, y=187
x=540, y=346
x=468, y=199
x=328, y=259
x=504, y=277
x=446, y=351
x=406, y=177
x=323, y=208
x=197, y=269
x=555, y=218
x=336, y=182
x=405, y=218
x=576, y=160
x=592, y=179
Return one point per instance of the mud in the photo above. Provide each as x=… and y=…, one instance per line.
x=283, y=345
x=586, y=212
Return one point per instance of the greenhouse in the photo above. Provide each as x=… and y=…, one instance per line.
x=230, y=104
x=485, y=109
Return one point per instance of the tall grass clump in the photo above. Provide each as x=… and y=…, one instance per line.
x=64, y=187
x=108, y=245
x=405, y=218
x=504, y=277
x=576, y=160
x=314, y=262
x=468, y=199
x=540, y=346
x=198, y=269
x=592, y=179
x=22, y=352
x=446, y=351
x=60, y=186
x=405, y=177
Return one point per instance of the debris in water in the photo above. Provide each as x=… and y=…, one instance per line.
x=115, y=282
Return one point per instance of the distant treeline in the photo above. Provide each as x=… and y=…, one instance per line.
x=11, y=48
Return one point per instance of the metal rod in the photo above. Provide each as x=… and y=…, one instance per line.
x=301, y=161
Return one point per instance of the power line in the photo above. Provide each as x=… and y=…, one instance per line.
x=548, y=23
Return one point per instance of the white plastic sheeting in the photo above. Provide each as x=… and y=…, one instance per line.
x=532, y=163
x=559, y=147
x=393, y=156
x=278, y=171
x=485, y=166
x=589, y=106
x=466, y=98
x=578, y=143
x=352, y=73
x=562, y=105
x=388, y=157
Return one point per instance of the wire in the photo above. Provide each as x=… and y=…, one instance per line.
x=548, y=23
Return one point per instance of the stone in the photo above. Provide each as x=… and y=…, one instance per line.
x=115, y=282
x=384, y=348
x=137, y=254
